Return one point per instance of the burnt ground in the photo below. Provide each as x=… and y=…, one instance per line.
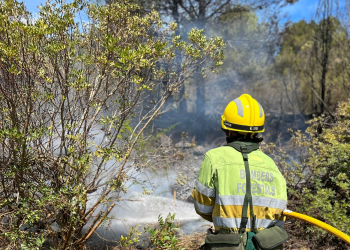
x=277, y=125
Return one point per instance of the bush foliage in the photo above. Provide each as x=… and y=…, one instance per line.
x=165, y=236
x=318, y=178
x=73, y=98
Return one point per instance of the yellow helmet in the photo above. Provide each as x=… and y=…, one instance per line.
x=244, y=114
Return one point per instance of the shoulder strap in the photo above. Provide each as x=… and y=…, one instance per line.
x=248, y=200
x=250, y=146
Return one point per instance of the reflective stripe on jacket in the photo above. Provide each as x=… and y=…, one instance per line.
x=221, y=186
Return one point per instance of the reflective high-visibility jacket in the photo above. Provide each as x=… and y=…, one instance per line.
x=221, y=186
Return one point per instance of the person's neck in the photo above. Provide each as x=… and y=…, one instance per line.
x=231, y=139
x=235, y=138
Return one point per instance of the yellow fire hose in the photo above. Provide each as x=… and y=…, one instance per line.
x=318, y=223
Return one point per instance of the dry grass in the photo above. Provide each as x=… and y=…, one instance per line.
x=298, y=241
x=193, y=241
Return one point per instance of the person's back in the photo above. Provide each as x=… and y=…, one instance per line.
x=221, y=194
x=221, y=186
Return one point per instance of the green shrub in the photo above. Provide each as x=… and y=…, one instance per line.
x=65, y=82
x=164, y=236
x=318, y=177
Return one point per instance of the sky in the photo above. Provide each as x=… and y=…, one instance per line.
x=303, y=9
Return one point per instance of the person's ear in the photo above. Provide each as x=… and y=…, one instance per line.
x=231, y=133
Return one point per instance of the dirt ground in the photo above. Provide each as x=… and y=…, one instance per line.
x=297, y=241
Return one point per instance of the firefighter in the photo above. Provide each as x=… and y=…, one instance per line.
x=223, y=188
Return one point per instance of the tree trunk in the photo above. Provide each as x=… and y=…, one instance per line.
x=326, y=42
x=175, y=14
x=200, y=84
x=325, y=12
